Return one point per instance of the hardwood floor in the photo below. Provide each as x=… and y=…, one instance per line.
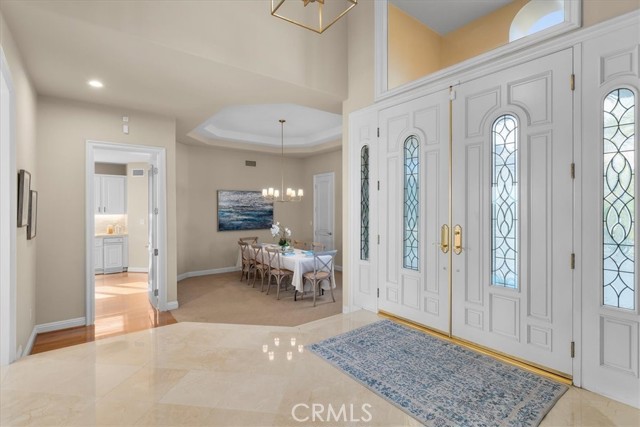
x=122, y=306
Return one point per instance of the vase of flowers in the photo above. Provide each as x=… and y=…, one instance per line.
x=282, y=234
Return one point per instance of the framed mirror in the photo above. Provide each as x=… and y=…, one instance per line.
x=419, y=41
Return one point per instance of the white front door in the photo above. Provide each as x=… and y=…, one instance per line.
x=413, y=206
x=512, y=212
x=323, y=209
x=609, y=178
x=152, y=276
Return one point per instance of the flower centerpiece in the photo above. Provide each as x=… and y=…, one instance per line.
x=282, y=233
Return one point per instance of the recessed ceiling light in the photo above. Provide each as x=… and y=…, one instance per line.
x=95, y=83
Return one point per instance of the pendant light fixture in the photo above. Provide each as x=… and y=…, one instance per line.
x=279, y=195
x=314, y=15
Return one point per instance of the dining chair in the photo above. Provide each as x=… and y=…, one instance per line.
x=323, y=265
x=248, y=264
x=317, y=246
x=299, y=244
x=260, y=265
x=252, y=240
x=276, y=271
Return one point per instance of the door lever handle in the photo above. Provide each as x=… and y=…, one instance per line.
x=444, y=238
x=457, y=239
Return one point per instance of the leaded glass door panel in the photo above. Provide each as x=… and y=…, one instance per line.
x=413, y=198
x=512, y=203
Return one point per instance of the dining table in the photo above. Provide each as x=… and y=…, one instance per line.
x=297, y=260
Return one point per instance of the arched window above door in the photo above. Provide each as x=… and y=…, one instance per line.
x=535, y=16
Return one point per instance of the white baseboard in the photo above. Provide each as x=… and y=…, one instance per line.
x=207, y=272
x=138, y=269
x=172, y=305
x=50, y=327
x=338, y=268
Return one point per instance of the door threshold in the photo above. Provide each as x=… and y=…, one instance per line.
x=526, y=365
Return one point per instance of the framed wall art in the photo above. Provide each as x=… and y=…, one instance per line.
x=24, y=186
x=243, y=210
x=33, y=215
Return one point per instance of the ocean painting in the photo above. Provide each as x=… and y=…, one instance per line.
x=243, y=210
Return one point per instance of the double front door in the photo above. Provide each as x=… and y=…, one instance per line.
x=476, y=219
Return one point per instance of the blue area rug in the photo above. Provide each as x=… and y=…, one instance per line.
x=437, y=382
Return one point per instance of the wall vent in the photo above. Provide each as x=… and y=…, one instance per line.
x=251, y=163
x=137, y=172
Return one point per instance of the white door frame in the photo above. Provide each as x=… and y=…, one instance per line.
x=8, y=224
x=332, y=213
x=158, y=159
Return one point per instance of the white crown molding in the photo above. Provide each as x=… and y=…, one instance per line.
x=210, y=132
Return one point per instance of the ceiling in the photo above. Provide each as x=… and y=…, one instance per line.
x=444, y=16
x=189, y=60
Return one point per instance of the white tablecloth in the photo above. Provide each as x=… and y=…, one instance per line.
x=299, y=262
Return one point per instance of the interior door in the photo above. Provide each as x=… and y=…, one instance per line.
x=610, y=314
x=512, y=214
x=413, y=198
x=152, y=276
x=323, y=209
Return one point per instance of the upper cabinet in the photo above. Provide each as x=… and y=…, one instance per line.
x=110, y=194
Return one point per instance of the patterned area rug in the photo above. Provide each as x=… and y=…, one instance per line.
x=437, y=382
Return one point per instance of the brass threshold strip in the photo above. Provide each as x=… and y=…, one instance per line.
x=528, y=366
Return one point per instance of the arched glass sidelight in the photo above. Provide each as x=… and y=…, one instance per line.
x=619, y=199
x=504, y=202
x=364, y=203
x=411, y=203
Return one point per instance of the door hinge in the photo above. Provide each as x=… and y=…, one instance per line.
x=573, y=170
x=378, y=132
x=573, y=82
x=573, y=261
x=155, y=211
x=378, y=292
x=155, y=252
x=155, y=171
x=573, y=349
x=155, y=292
x=378, y=185
x=378, y=239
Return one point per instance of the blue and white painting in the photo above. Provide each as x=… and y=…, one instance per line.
x=243, y=210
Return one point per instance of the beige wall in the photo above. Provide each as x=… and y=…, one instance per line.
x=25, y=140
x=414, y=49
x=137, y=213
x=202, y=171
x=110, y=169
x=63, y=129
x=594, y=11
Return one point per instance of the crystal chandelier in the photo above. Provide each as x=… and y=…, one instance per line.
x=320, y=15
x=280, y=195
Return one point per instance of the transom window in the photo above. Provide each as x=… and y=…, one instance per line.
x=504, y=202
x=619, y=199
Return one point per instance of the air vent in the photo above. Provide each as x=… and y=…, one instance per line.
x=251, y=163
x=137, y=172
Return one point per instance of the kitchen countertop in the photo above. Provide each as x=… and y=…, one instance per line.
x=111, y=235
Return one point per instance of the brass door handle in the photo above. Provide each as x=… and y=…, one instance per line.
x=444, y=238
x=457, y=239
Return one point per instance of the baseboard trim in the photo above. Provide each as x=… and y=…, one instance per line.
x=138, y=269
x=172, y=305
x=189, y=274
x=338, y=268
x=50, y=327
x=346, y=309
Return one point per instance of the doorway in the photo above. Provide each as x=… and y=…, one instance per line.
x=110, y=237
x=323, y=209
x=475, y=212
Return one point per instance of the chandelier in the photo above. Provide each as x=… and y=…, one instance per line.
x=280, y=195
x=318, y=17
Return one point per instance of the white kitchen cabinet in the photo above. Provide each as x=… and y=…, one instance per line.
x=113, y=254
x=98, y=255
x=110, y=194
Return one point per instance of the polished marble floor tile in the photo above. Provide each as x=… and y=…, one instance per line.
x=200, y=374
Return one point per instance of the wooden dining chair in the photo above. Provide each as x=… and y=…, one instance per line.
x=252, y=240
x=323, y=265
x=276, y=271
x=261, y=265
x=299, y=244
x=248, y=264
x=317, y=246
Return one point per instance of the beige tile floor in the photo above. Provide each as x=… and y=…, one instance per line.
x=217, y=374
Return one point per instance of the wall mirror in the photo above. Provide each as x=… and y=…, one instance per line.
x=417, y=40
